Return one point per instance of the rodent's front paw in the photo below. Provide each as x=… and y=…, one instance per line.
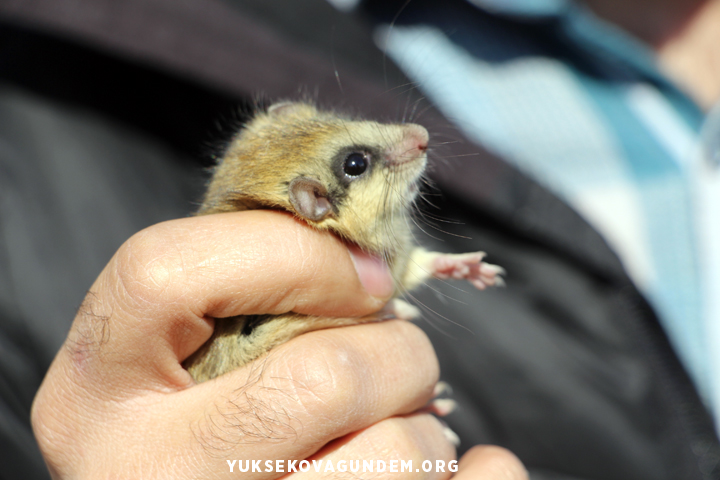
x=470, y=267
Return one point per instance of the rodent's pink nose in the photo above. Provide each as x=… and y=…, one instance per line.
x=413, y=145
x=417, y=134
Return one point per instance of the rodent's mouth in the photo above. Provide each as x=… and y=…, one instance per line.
x=408, y=173
x=405, y=163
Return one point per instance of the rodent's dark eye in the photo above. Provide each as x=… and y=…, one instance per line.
x=356, y=164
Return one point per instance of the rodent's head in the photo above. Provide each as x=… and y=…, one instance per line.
x=355, y=178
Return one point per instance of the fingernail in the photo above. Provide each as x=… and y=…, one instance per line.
x=373, y=272
x=441, y=388
x=451, y=436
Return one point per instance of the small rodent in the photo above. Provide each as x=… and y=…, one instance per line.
x=357, y=179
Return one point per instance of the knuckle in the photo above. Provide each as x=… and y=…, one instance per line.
x=330, y=380
x=150, y=265
x=287, y=389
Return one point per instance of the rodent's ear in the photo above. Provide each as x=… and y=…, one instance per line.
x=309, y=198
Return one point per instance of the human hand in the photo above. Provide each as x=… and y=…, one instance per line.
x=116, y=402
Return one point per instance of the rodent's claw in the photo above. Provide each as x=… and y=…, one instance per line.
x=442, y=388
x=499, y=282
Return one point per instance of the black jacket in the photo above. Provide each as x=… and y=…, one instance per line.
x=108, y=115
